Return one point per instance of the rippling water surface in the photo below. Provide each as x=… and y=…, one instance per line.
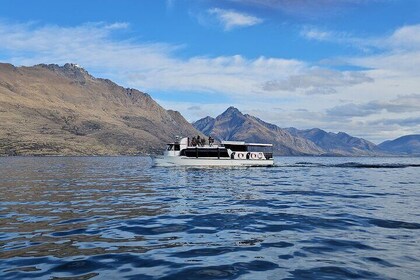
x=119, y=217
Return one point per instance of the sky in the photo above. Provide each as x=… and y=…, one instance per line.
x=339, y=65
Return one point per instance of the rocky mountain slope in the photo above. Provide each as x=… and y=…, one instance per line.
x=233, y=125
x=63, y=110
x=337, y=143
x=406, y=145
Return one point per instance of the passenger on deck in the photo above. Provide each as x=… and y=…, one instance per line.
x=198, y=140
x=194, y=141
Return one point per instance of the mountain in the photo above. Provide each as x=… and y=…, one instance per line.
x=63, y=110
x=233, y=125
x=407, y=145
x=337, y=143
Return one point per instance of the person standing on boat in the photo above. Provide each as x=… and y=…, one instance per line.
x=198, y=140
x=211, y=140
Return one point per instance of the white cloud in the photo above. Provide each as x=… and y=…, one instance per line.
x=147, y=66
x=232, y=75
x=407, y=37
x=316, y=34
x=401, y=104
x=117, y=25
x=401, y=122
x=343, y=38
x=318, y=81
x=303, y=8
x=232, y=19
x=391, y=77
x=404, y=38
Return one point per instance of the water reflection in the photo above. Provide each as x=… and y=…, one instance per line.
x=120, y=217
x=66, y=201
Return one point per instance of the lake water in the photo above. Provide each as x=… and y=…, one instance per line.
x=119, y=217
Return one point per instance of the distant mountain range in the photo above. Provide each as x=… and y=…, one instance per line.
x=233, y=125
x=337, y=143
x=63, y=110
x=405, y=145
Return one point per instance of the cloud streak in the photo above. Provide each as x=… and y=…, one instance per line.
x=148, y=66
x=318, y=81
x=404, y=122
x=302, y=8
x=232, y=19
x=404, y=38
x=403, y=104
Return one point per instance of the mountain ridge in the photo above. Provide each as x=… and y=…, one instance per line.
x=406, y=145
x=287, y=141
x=337, y=143
x=49, y=109
x=233, y=125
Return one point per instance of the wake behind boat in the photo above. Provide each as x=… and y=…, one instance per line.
x=195, y=152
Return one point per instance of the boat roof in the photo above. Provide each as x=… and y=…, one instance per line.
x=242, y=143
x=238, y=143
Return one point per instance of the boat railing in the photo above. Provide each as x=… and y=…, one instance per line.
x=205, y=146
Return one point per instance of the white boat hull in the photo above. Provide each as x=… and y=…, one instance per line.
x=188, y=161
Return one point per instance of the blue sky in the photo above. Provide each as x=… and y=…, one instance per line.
x=340, y=65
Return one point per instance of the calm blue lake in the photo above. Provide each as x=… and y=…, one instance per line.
x=121, y=218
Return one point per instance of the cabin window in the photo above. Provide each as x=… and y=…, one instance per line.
x=170, y=147
x=268, y=151
x=177, y=147
x=260, y=149
x=212, y=153
x=236, y=148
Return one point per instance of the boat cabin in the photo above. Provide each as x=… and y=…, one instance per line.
x=226, y=150
x=242, y=150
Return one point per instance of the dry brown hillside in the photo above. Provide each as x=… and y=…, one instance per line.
x=63, y=110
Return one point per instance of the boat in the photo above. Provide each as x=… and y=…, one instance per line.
x=195, y=152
